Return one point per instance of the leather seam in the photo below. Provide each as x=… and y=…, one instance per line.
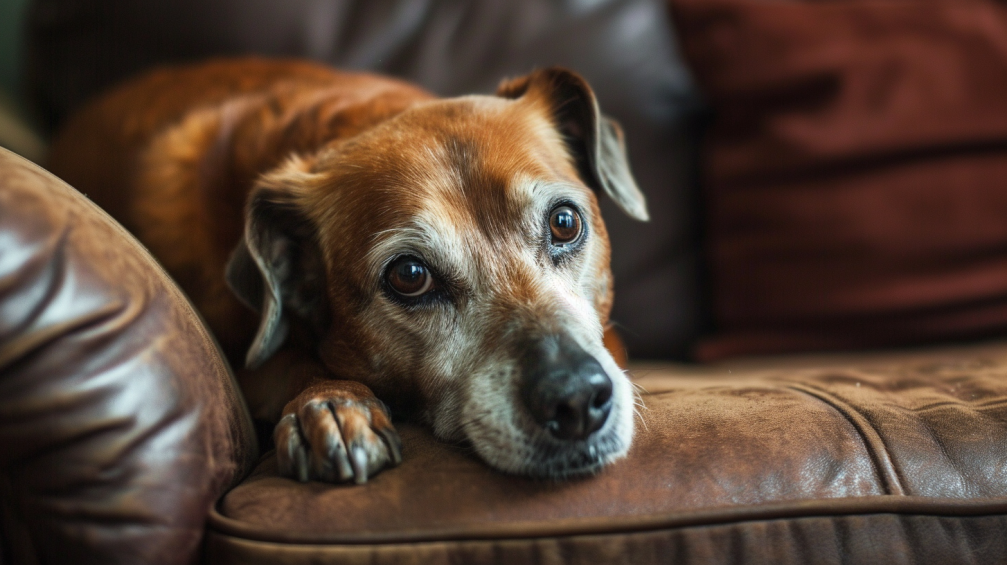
x=876, y=447
x=818, y=508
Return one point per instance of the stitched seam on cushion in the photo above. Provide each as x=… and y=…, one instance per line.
x=820, y=508
x=880, y=456
x=352, y=544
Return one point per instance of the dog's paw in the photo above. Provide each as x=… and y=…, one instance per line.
x=336, y=431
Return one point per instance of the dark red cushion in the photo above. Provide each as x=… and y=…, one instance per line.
x=855, y=171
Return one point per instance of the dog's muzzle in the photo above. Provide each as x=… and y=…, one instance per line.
x=564, y=388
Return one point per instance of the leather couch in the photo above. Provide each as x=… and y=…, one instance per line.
x=123, y=437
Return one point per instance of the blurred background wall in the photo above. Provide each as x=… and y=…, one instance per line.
x=15, y=133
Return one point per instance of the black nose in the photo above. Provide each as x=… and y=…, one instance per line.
x=564, y=388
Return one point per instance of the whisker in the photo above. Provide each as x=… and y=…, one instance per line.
x=637, y=387
x=642, y=420
x=638, y=398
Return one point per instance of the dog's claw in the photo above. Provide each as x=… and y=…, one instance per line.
x=336, y=439
x=290, y=449
x=358, y=458
x=302, y=466
x=343, y=462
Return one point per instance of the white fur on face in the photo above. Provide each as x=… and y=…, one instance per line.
x=465, y=350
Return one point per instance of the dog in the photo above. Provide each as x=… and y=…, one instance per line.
x=351, y=237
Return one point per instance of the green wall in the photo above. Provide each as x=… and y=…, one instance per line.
x=11, y=17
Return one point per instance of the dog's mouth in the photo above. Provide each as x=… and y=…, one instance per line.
x=536, y=453
x=575, y=459
x=564, y=415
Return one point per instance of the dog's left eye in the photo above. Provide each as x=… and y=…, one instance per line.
x=409, y=277
x=565, y=225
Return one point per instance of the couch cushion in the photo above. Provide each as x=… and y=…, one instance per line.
x=854, y=170
x=120, y=422
x=778, y=461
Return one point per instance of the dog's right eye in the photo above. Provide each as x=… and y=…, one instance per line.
x=565, y=225
x=409, y=277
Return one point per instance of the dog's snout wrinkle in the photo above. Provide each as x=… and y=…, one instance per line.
x=564, y=388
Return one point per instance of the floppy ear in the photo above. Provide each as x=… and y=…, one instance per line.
x=595, y=141
x=276, y=269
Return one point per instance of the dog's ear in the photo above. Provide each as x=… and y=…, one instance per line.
x=595, y=141
x=277, y=269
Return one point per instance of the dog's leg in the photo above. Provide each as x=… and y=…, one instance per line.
x=336, y=431
x=330, y=430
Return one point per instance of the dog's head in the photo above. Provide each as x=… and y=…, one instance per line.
x=454, y=259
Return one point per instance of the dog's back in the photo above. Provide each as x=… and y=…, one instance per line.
x=172, y=154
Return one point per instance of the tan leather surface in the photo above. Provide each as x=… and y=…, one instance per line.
x=120, y=423
x=914, y=434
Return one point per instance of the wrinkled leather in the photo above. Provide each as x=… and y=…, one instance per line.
x=120, y=423
x=624, y=48
x=843, y=460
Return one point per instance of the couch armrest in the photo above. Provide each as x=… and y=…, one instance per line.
x=120, y=422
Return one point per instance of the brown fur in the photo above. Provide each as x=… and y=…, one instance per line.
x=162, y=155
x=179, y=155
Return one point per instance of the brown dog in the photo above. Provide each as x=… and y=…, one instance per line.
x=447, y=254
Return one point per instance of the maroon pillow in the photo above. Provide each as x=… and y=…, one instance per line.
x=855, y=171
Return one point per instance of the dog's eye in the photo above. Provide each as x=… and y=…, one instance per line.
x=565, y=224
x=409, y=277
